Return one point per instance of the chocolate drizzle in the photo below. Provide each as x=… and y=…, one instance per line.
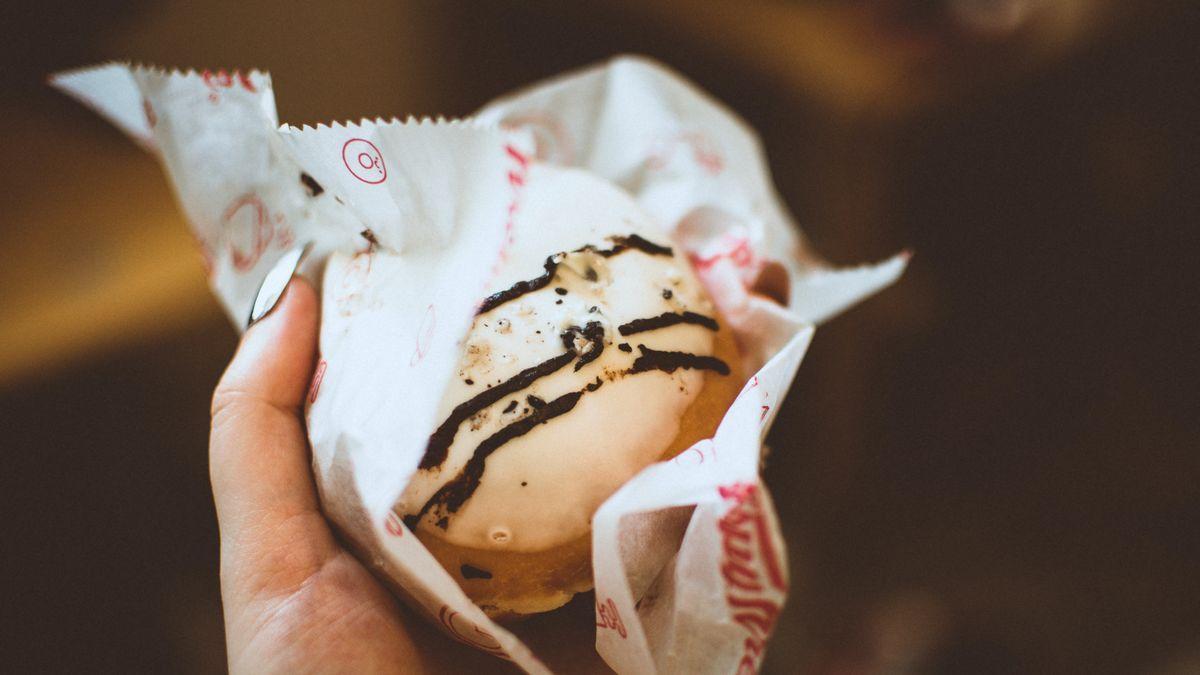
x=593, y=333
x=473, y=572
x=459, y=489
x=455, y=493
x=441, y=439
x=522, y=287
x=620, y=244
x=667, y=319
x=583, y=345
x=439, y=442
x=669, y=362
x=633, y=241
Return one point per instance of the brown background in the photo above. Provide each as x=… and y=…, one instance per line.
x=991, y=467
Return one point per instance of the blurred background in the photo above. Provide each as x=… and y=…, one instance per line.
x=991, y=467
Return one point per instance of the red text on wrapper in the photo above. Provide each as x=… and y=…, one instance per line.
x=697, y=454
x=693, y=456
x=703, y=151
x=223, y=80
x=315, y=387
x=751, y=569
x=517, y=173
x=393, y=525
x=608, y=617
x=552, y=143
x=247, y=214
x=464, y=630
x=353, y=283
x=736, y=249
x=764, y=408
x=250, y=229
x=424, y=335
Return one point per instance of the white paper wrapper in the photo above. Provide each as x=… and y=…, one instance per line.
x=408, y=221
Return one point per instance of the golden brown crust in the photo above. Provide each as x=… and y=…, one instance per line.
x=528, y=582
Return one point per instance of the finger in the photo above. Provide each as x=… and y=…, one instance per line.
x=272, y=533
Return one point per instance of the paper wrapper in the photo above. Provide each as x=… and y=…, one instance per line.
x=407, y=222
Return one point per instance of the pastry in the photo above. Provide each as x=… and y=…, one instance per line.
x=576, y=374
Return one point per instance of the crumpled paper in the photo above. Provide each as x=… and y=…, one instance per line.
x=407, y=221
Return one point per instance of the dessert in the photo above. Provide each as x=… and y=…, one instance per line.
x=590, y=361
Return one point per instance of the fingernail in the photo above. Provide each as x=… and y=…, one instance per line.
x=276, y=282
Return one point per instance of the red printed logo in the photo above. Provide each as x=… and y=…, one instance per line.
x=754, y=580
x=607, y=616
x=364, y=161
x=465, y=631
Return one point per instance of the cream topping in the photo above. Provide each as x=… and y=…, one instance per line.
x=563, y=439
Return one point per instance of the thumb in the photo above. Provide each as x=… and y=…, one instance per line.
x=273, y=535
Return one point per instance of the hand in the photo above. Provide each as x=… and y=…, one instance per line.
x=294, y=599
